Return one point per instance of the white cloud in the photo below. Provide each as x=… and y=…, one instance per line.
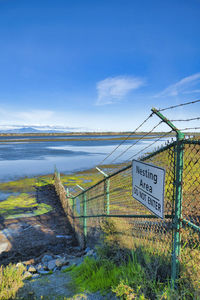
x=113, y=89
x=184, y=86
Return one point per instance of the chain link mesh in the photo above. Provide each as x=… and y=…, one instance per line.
x=190, y=233
x=133, y=226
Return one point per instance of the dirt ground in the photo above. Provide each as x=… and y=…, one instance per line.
x=25, y=238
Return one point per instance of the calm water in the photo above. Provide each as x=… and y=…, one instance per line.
x=20, y=159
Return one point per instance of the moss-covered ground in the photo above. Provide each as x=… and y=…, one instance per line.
x=22, y=200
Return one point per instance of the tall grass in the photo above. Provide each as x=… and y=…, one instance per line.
x=11, y=280
x=132, y=278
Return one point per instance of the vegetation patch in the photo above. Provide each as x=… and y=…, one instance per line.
x=22, y=205
x=26, y=184
x=130, y=278
x=11, y=280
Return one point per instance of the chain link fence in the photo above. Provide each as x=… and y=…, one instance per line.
x=108, y=206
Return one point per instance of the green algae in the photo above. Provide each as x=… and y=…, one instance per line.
x=26, y=184
x=23, y=205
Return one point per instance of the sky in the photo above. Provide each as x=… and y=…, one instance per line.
x=97, y=65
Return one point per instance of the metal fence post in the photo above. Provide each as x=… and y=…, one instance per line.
x=73, y=209
x=85, y=215
x=106, y=191
x=107, y=183
x=177, y=224
x=177, y=217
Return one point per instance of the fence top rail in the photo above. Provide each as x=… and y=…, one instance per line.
x=142, y=159
x=195, y=142
x=102, y=180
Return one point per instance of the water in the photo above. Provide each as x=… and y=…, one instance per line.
x=24, y=158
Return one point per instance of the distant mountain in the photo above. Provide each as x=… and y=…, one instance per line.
x=30, y=130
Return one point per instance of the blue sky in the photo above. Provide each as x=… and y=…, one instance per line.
x=97, y=65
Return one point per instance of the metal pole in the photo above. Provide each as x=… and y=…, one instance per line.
x=107, y=183
x=85, y=215
x=106, y=191
x=176, y=221
x=73, y=208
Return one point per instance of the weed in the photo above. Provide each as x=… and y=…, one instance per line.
x=68, y=269
x=11, y=280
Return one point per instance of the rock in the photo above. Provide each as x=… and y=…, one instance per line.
x=75, y=261
x=29, y=262
x=27, y=275
x=43, y=272
x=46, y=258
x=40, y=267
x=3, y=247
x=67, y=237
x=34, y=276
x=32, y=269
x=61, y=262
x=19, y=265
x=51, y=264
x=90, y=253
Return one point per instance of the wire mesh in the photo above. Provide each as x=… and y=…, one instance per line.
x=132, y=226
x=190, y=233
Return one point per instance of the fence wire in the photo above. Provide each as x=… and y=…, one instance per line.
x=190, y=233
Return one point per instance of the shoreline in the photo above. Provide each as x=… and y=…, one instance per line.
x=125, y=133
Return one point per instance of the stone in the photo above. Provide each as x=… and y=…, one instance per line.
x=67, y=237
x=46, y=258
x=43, y=272
x=19, y=265
x=76, y=261
x=3, y=247
x=90, y=253
x=29, y=262
x=51, y=264
x=87, y=249
x=32, y=269
x=34, y=276
x=61, y=262
x=27, y=275
x=40, y=267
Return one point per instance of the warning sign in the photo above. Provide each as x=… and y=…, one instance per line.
x=148, y=186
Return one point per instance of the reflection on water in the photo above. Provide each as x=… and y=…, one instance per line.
x=18, y=159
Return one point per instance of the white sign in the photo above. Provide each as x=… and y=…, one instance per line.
x=148, y=186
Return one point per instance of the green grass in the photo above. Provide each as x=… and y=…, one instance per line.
x=131, y=279
x=11, y=280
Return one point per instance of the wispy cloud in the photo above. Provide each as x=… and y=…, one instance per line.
x=184, y=86
x=113, y=89
x=37, y=119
